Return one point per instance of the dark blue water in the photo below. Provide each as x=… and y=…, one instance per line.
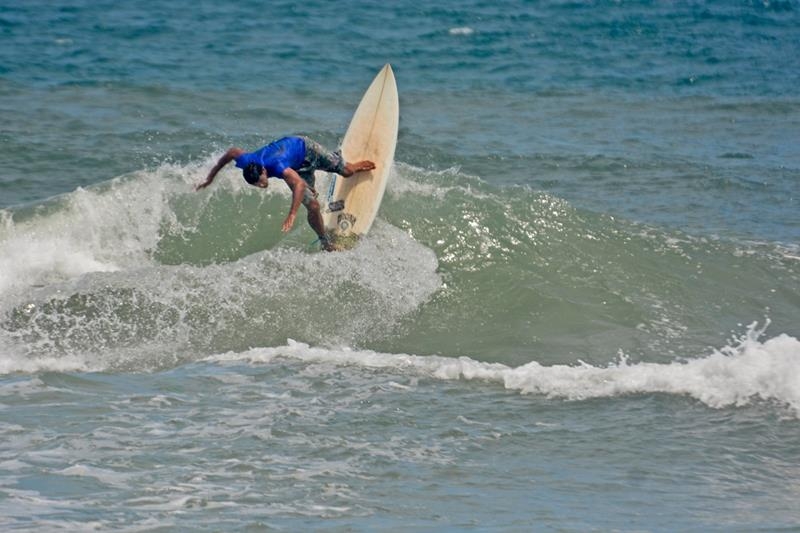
x=578, y=308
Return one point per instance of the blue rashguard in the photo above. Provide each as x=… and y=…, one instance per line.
x=277, y=156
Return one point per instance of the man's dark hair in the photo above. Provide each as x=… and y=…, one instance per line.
x=252, y=172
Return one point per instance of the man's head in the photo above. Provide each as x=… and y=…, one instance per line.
x=252, y=173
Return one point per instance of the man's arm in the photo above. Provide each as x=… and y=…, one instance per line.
x=229, y=156
x=298, y=187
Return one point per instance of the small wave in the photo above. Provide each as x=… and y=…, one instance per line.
x=11, y=363
x=740, y=374
x=461, y=30
x=107, y=477
x=142, y=273
x=736, y=155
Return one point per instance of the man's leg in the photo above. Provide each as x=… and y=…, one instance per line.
x=315, y=221
x=314, y=217
x=318, y=157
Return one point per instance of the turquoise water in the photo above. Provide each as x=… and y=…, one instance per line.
x=577, y=310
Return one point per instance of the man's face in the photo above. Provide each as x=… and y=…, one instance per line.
x=262, y=182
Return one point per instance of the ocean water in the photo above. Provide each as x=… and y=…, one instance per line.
x=579, y=309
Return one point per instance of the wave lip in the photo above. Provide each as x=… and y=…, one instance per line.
x=741, y=374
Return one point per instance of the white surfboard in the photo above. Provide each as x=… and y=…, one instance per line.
x=353, y=202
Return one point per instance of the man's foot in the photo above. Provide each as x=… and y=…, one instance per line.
x=326, y=244
x=360, y=166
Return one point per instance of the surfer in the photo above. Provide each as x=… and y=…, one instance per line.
x=294, y=160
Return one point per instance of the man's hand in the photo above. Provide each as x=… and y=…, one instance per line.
x=298, y=187
x=289, y=222
x=229, y=156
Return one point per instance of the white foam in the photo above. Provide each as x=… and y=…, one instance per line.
x=12, y=363
x=102, y=475
x=31, y=255
x=109, y=227
x=736, y=375
x=392, y=273
x=410, y=180
x=462, y=30
x=101, y=229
